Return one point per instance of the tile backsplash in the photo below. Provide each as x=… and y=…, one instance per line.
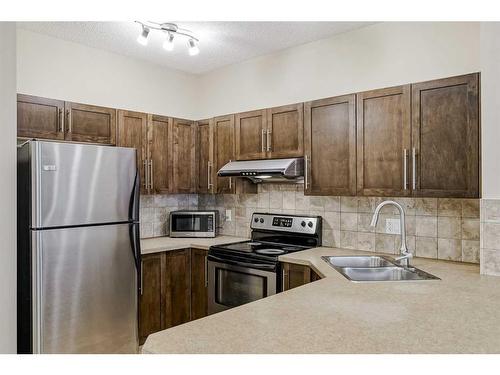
x=490, y=237
x=155, y=211
x=437, y=228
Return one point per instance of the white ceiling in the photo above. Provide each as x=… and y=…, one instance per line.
x=221, y=43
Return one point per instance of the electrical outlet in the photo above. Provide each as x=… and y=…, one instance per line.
x=228, y=215
x=392, y=226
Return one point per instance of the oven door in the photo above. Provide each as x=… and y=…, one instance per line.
x=231, y=284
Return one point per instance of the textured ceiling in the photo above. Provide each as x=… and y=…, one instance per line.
x=221, y=43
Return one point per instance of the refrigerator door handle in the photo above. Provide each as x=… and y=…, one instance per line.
x=135, y=243
x=134, y=200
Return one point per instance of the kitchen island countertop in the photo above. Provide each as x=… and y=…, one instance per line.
x=458, y=314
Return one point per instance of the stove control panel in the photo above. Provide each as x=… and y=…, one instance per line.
x=286, y=223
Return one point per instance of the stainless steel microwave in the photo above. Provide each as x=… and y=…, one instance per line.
x=193, y=223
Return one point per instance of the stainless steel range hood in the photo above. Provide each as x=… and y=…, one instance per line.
x=268, y=170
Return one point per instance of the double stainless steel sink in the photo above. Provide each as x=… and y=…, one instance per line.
x=375, y=268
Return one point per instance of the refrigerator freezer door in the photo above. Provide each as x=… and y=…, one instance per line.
x=77, y=184
x=88, y=290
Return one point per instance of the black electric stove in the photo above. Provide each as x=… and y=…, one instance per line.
x=243, y=272
x=274, y=235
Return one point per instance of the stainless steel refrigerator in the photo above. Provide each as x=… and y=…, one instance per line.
x=78, y=248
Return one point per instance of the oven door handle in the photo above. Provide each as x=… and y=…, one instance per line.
x=260, y=266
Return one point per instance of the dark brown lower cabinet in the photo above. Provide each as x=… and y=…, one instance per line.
x=150, y=305
x=177, y=281
x=174, y=290
x=199, y=283
x=295, y=275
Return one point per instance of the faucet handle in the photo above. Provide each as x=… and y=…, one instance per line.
x=404, y=259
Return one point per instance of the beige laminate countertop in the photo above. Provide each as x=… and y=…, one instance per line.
x=458, y=314
x=159, y=244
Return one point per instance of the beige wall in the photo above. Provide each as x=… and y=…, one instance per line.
x=55, y=68
x=380, y=55
x=490, y=110
x=8, y=188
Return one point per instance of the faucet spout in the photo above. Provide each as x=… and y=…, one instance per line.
x=406, y=255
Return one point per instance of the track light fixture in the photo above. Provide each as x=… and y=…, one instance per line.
x=168, y=44
x=143, y=36
x=170, y=30
x=193, y=48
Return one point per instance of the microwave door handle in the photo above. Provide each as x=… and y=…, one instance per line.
x=242, y=264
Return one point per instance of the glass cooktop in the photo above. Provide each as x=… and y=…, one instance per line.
x=261, y=248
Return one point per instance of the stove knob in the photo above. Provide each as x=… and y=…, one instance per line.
x=256, y=219
x=261, y=220
x=303, y=223
x=310, y=224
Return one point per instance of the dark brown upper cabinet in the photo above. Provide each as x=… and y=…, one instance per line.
x=224, y=151
x=89, y=123
x=159, y=154
x=251, y=135
x=285, y=131
x=44, y=118
x=445, y=143
x=204, y=170
x=133, y=132
x=383, y=142
x=183, y=156
x=40, y=117
x=330, y=146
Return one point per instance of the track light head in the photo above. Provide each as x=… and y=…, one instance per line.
x=143, y=37
x=168, y=44
x=193, y=48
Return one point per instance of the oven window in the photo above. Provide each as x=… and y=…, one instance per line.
x=233, y=288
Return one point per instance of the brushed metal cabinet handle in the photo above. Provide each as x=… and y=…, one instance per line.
x=146, y=175
x=269, y=146
x=142, y=277
x=151, y=177
x=61, y=121
x=230, y=180
x=209, y=176
x=283, y=281
x=405, y=169
x=206, y=272
x=414, y=168
x=306, y=178
x=263, y=140
x=68, y=120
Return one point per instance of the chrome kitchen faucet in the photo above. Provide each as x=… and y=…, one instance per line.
x=405, y=257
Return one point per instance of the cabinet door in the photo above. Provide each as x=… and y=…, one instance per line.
x=383, y=142
x=285, y=131
x=159, y=160
x=223, y=151
x=183, y=156
x=177, y=284
x=132, y=132
x=40, y=117
x=330, y=146
x=88, y=123
x=204, y=170
x=199, y=283
x=150, y=305
x=295, y=275
x=250, y=135
x=445, y=127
